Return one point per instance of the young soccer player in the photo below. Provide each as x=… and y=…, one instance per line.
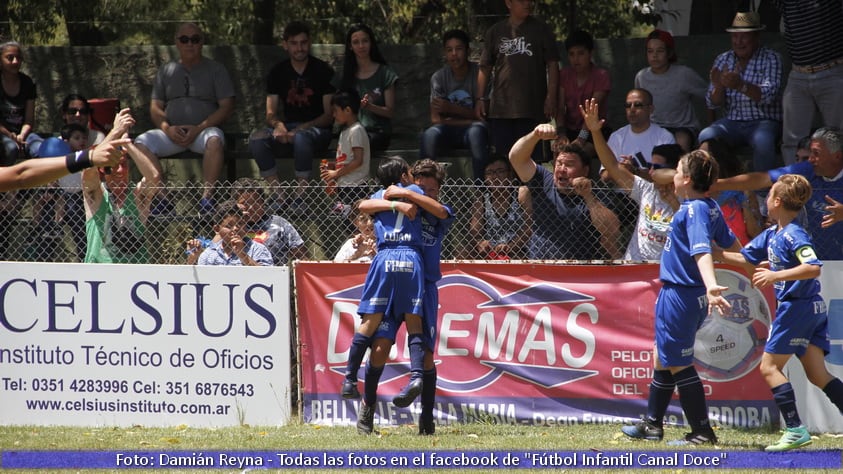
x=393, y=289
x=436, y=220
x=801, y=325
x=689, y=292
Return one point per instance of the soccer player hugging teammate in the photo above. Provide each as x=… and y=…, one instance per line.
x=689, y=292
x=393, y=289
x=801, y=324
x=436, y=220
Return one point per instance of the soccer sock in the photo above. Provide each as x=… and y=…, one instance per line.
x=416, y=345
x=692, y=398
x=370, y=384
x=834, y=392
x=359, y=344
x=786, y=401
x=428, y=395
x=661, y=391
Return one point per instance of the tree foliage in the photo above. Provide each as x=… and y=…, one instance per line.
x=101, y=22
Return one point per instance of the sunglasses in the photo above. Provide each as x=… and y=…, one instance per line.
x=74, y=111
x=656, y=166
x=636, y=105
x=195, y=39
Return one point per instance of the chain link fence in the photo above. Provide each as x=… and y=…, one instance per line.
x=48, y=224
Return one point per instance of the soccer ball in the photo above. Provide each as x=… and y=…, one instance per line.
x=728, y=347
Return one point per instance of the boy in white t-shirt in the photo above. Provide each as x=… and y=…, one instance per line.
x=351, y=172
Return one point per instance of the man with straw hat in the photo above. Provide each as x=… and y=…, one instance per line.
x=746, y=84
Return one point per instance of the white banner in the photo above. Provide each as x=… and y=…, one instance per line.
x=154, y=345
x=818, y=414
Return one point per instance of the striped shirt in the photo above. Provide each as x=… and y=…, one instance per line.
x=764, y=70
x=813, y=30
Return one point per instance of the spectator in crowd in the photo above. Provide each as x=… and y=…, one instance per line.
x=746, y=84
x=674, y=87
x=501, y=219
x=688, y=280
x=361, y=246
x=76, y=112
x=233, y=249
x=298, y=113
x=351, y=169
x=814, y=42
x=636, y=140
x=521, y=64
x=17, y=104
x=276, y=233
x=739, y=208
x=191, y=98
x=115, y=213
x=803, y=150
x=570, y=219
x=366, y=71
x=581, y=80
x=48, y=210
x=47, y=233
x=657, y=203
x=399, y=239
x=452, y=92
x=823, y=170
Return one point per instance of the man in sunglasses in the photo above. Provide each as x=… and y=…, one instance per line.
x=191, y=98
x=635, y=141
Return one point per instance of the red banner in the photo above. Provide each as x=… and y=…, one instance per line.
x=535, y=344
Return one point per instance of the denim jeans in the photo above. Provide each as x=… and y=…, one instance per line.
x=474, y=137
x=306, y=145
x=9, y=151
x=761, y=135
x=804, y=94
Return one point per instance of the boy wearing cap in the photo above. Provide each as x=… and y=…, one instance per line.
x=746, y=83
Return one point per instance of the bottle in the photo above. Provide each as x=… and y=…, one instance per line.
x=330, y=185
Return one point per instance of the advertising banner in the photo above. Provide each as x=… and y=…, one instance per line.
x=535, y=344
x=154, y=345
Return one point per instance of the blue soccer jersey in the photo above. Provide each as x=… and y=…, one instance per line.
x=433, y=234
x=786, y=248
x=828, y=242
x=434, y=231
x=394, y=229
x=695, y=225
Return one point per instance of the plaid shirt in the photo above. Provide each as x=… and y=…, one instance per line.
x=763, y=70
x=214, y=255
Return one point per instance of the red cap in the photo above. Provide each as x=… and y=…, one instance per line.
x=668, y=41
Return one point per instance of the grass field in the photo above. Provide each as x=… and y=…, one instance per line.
x=460, y=437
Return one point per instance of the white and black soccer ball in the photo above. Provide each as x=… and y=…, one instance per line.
x=728, y=347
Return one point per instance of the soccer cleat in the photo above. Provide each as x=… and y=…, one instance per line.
x=349, y=390
x=791, y=439
x=644, y=430
x=426, y=426
x=408, y=393
x=365, y=419
x=705, y=436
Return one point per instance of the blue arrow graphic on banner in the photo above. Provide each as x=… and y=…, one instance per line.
x=540, y=293
x=547, y=377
